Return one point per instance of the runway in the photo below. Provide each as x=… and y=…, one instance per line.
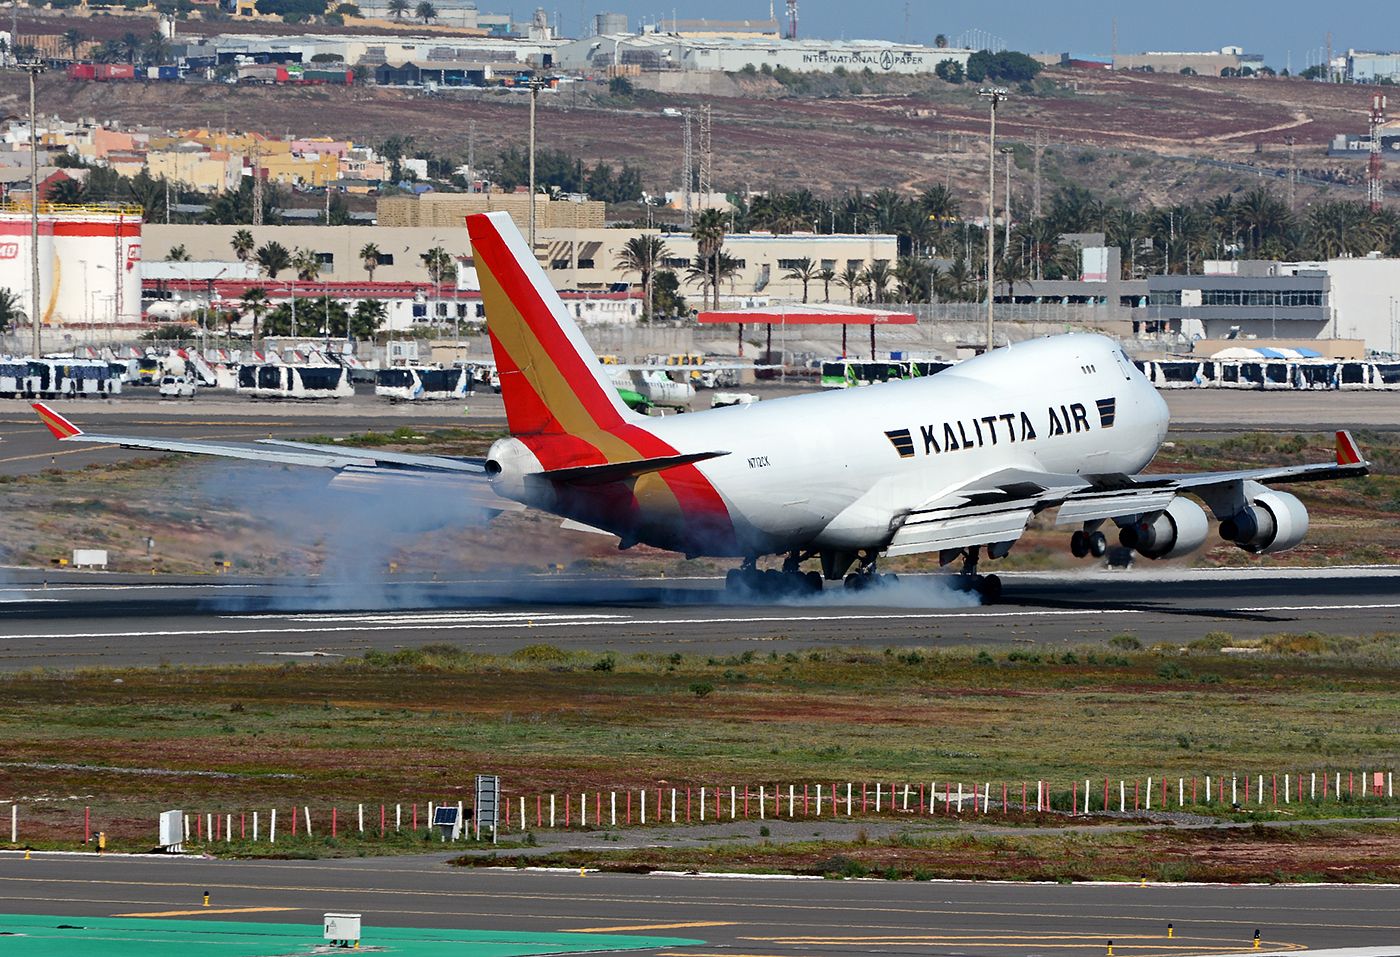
x=734, y=917
x=69, y=619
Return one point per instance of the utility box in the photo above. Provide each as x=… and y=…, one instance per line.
x=172, y=832
x=449, y=822
x=342, y=930
x=89, y=558
x=488, y=803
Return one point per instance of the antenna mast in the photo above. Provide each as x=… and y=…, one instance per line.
x=792, y=19
x=688, y=173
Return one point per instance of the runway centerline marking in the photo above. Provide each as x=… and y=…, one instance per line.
x=630, y=927
x=201, y=911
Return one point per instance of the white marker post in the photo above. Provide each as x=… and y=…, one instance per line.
x=762, y=799
x=702, y=804
x=255, y=827
x=644, y=805
x=733, y=796
x=272, y=826
x=14, y=823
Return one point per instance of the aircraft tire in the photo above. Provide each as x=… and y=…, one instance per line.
x=1098, y=545
x=814, y=583
x=989, y=587
x=1079, y=545
x=855, y=582
x=733, y=579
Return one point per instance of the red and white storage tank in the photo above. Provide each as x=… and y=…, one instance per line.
x=89, y=262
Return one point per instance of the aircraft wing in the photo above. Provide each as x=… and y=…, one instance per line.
x=997, y=507
x=277, y=452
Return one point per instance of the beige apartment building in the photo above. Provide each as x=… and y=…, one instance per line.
x=452, y=209
x=212, y=171
x=575, y=259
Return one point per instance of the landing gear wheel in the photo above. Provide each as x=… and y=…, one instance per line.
x=1098, y=545
x=989, y=587
x=857, y=582
x=1079, y=544
x=733, y=579
x=890, y=579
x=814, y=582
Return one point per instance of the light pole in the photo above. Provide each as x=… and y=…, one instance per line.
x=534, y=95
x=33, y=69
x=1006, y=151
x=995, y=95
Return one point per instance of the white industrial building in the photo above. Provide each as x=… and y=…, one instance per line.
x=1365, y=298
x=672, y=51
x=89, y=263
x=1372, y=67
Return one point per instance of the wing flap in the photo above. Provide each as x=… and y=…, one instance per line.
x=959, y=526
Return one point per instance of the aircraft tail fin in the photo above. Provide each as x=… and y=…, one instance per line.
x=551, y=381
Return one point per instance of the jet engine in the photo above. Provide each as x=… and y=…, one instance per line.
x=1270, y=522
x=1179, y=529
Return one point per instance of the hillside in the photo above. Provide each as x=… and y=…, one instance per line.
x=1136, y=137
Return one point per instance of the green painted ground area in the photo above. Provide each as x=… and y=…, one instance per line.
x=30, y=936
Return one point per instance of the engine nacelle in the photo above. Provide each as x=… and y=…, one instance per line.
x=1271, y=522
x=1179, y=529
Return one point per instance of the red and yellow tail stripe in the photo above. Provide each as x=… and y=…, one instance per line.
x=558, y=401
x=57, y=424
x=1348, y=452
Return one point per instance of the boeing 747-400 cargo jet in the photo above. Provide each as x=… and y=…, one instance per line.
x=956, y=463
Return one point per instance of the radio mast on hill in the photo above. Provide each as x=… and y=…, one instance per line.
x=1375, y=188
x=792, y=19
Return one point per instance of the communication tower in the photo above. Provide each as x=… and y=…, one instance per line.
x=792, y=19
x=1375, y=190
x=707, y=157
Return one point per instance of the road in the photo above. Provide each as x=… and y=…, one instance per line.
x=733, y=916
x=92, y=619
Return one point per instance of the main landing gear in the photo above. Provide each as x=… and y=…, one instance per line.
x=867, y=576
x=1088, y=541
x=791, y=582
x=987, y=586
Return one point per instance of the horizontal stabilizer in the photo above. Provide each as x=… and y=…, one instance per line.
x=622, y=471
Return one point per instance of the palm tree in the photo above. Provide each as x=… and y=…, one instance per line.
x=440, y=265
x=72, y=39
x=273, y=258
x=641, y=255
x=11, y=310
x=306, y=264
x=155, y=49
x=255, y=303
x=708, y=233
x=369, y=258
x=130, y=46
x=242, y=244
x=827, y=276
x=398, y=8
x=68, y=192
x=804, y=271
x=850, y=279
x=178, y=254
x=877, y=278
x=425, y=11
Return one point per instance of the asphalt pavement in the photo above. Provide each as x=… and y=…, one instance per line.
x=68, y=619
x=733, y=916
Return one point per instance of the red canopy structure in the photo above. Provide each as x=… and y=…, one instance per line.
x=809, y=314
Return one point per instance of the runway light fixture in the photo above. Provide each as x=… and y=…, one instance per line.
x=995, y=95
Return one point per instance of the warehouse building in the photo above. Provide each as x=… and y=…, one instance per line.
x=655, y=51
x=583, y=259
x=1208, y=63
x=1372, y=67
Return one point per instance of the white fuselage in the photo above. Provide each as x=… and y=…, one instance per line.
x=820, y=470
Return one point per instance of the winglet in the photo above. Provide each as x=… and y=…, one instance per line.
x=57, y=424
x=1348, y=452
